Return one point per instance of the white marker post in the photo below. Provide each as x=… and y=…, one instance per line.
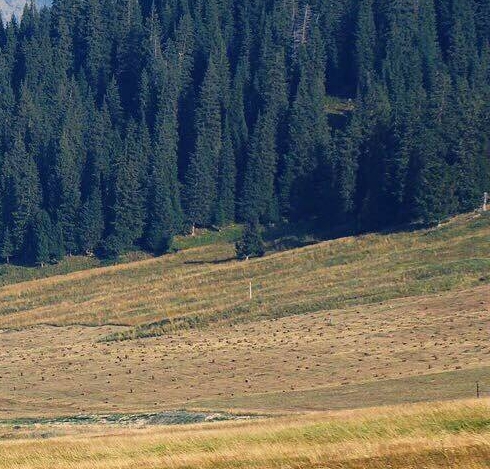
x=250, y=290
x=485, y=201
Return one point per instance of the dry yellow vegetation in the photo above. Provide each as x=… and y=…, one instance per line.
x=310, y=350
x=363, y=321
x=202, y=285
x=454, y=435
x=364, y=357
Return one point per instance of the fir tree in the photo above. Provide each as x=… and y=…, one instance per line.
x=41, y=238
x=20, y=192
x=65, y=189
x=251, y=244
x=202, y=174
x=258, y=197
x=91, y=225
x=309, y=133
x=127, y=221
x=225, y=212
x=365, y=45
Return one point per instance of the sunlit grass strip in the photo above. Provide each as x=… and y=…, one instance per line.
x=451, y=435
x=201, y=285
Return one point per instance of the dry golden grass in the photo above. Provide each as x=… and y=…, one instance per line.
x=356, y=322
x=363, y=357
x=452, y=435
x=197, y=284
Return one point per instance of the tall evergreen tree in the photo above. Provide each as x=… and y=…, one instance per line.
x=21, y=193
x=7, y=246
x=225, y=211
x=165, y=213
x=41, y=232
x=127, y=220
x=365, y=45
x=258, y=197
x=202, y=174
x=309, y=132
x=91, y=220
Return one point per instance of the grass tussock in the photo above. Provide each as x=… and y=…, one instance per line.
x=451, y=435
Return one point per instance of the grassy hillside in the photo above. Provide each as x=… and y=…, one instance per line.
x=203, y=285
x=413, y=349
x=449, y=436
x=387, y=318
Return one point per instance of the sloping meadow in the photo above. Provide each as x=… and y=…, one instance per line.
x=201, y=286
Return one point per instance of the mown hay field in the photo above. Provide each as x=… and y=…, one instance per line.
x=365, y=321
x=411, y=349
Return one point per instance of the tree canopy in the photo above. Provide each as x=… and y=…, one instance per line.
x=125, y=122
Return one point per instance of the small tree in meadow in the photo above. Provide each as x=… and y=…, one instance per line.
x=251, y=244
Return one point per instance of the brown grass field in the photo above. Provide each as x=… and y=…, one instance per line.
x=454, y=435
x=387, y=319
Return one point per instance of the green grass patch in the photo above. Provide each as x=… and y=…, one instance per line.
x=229, y=234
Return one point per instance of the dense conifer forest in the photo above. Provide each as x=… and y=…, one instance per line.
x=125, y=122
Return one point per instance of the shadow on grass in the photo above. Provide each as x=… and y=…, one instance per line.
x=215, y=262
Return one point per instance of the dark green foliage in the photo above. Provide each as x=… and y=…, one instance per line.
x=91, y=220
x=21, y=194
x=65, y=184
x=127, y=212
x=7, y=246
x=366, y=37
x=124, y=122
x=202, y=175
x=251, y=244
x=225, y=211
x=41, y=241
x=258, y=198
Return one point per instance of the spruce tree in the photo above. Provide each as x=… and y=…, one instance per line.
x=21, y=193
x=91, y=224
x=258, y=197
x=65, y=188
x=462, y=51
x=225, y=211
x=202, y=174
x=165, y=216
x=365, y=45
x=7, y=246
x=309, y=134
x=251, y=244
x=41, y=232
x=128, y=215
